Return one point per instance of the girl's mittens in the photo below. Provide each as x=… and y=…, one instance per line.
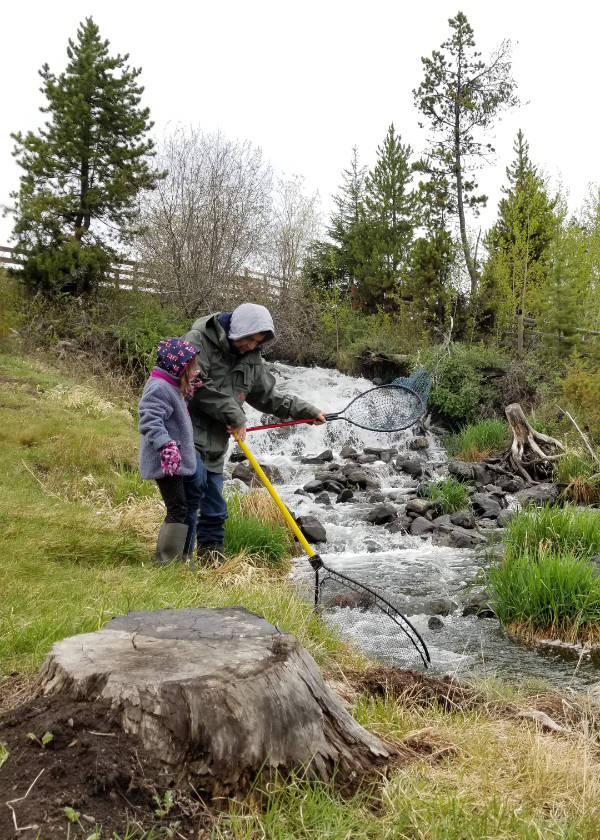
x=170, y=458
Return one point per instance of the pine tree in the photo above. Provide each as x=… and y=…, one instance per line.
x=83, y=169
x=519, y=244
x=460, y=94
x=384, y=232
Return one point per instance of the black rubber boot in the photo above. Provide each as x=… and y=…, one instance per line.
x=170, y=542
x=211, y=554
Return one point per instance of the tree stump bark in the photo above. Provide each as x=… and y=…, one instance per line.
x=531, y=453
x=220, y=691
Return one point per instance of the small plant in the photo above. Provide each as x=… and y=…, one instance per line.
x=71, y=814
x=46, y=738
x=581, y=478
x=165, y=804
x=449, y=495
x=475, y=441
x=4, y=753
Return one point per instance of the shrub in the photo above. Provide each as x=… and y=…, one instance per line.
x=581, y=477
x=475, y=441
x=449, y=495
x=558, y=593
x=582, y=388
x=463, y=390
x=553, y=530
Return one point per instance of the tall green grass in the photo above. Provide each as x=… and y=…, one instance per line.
x=449, y=495
x=475, y=441
x=542, y=591
x=248, y=533
x=553, y=530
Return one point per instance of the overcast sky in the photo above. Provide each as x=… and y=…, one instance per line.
x=308, y=80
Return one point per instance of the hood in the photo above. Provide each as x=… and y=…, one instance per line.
x=174, y=355
x=248, y=319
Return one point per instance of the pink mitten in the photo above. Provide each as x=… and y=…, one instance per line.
x=170, y=458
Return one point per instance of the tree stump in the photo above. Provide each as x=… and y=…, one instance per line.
x=531, y=453
x=220, y=691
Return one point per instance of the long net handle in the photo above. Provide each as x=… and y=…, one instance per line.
x=285, y=512
x=288, y=423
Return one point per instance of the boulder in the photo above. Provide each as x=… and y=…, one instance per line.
x=312, y=529
x=484, y=505
x=463, y=518
x=419, y=507
x=345, y=495
x=440, y=606
x=348, y=452
x=460, y=470
x=360, y=479
x=323, y=498
x=313, y=486
x=410, y=466
x=419, y=443
x=421, y=526
x=400, y=525
x=321, y=458
x=478, y=604
x=435, y=623
x=539, y=494
x=245, y=473
x=504, y=518
x=455, y=537
x=381, y=514
x=365, y=458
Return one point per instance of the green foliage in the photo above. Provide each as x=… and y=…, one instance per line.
x=459, y=95
x=83, y=169
x=461, y=381
x=581, y=385
x=549, y=529
x=269, y=542
x=519, y=244
x=4, y=754
x=449, y=495
x=543, y=590
x=475, y=441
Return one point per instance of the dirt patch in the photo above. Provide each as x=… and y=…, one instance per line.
x=89, y=765
x=413, y=687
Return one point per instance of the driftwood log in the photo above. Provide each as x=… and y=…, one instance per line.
x=220, y=692
x=531, y=454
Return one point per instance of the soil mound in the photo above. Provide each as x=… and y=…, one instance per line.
x=88, y=765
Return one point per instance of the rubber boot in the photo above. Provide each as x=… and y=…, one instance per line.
x=170, y=542
x=211, y=554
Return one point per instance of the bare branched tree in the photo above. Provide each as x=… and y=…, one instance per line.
x=295, y=224
x=207, y=220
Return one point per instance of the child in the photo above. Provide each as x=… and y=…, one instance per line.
x=167, y=451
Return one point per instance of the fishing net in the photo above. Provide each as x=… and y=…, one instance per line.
x=388, y=408
x=418, y=382
x=367, y=618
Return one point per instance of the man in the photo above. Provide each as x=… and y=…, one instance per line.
x=233, y=372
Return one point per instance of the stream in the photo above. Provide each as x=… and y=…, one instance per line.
x=408, y=570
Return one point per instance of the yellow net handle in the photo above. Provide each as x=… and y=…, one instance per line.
x=285, y=512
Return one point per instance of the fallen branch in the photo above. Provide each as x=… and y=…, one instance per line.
x=583, y=436
x=531, y=453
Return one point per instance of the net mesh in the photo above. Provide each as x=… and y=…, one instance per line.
x=365, y=617
x=386, y=409
x=419, y=382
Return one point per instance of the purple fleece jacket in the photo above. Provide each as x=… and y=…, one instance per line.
x=163, y=416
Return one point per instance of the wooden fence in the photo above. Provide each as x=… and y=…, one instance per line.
x=129, y=274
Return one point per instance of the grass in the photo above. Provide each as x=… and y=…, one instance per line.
x=449, y=495
x=256, y=527
x=475, y=441
x=581, y=477
x=553, y=530
x=546, y=594
x=76, y=550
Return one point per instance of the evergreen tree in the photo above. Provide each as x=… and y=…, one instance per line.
x=382, y=237
x=519, y=244
x=460, y=94
x=83, y=169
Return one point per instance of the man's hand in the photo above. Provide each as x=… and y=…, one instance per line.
x=239, y=432
x=320, y=419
